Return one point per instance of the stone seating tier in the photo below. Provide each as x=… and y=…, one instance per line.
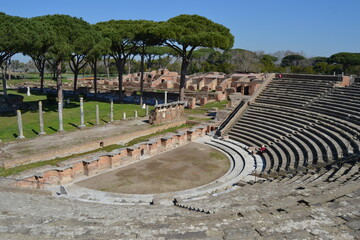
x=299, y=125
x=278, y=148
x=314, y=115
x=335, y=179
x=301, y=93
x=327, y=131
x=274, y=154
x=291, y=145
x=288, y=103
x=273, y=126
x=345, y=128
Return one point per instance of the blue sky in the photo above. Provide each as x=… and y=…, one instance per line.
x=314, y=27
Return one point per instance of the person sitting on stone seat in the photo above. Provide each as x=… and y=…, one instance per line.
x=262, y=149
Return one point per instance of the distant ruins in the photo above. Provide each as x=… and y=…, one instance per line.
x=246, y=83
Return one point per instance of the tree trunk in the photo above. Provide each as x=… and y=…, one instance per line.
x=59, y=82
x=108, y=72
x=40, y=66
x=107, y=65
x=4, y=82
x=184, y=66
x=120, y=67
x=149, y=62
x=95, y=78
x=141, y=79
x=42, y=72
x=8, y=66
x=76, y=73
x=42, y=80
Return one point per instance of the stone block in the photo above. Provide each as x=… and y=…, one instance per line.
x=52, y=177
x=104, y=162
x=203, y=101
x=30, y=182
x=192, y=103
x=163, y=201
x=219, y=96
x=134, y=153
x=190, y=135
x=90, y=167
x=77, y=169
x=66, y=175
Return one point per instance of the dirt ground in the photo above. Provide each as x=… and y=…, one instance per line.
x=183, y=168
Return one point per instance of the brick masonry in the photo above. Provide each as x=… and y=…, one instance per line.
x=73, y=171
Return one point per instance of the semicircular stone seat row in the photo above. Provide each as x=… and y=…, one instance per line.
x=244, y=196
x=301, y=122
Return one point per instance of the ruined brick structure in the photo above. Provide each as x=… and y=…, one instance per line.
x=70, y=171
x=167, y=112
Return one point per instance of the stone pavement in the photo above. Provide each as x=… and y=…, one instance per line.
x=322, y=204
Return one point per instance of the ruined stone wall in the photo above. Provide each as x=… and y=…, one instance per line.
x=164, y=113
x=72, y=171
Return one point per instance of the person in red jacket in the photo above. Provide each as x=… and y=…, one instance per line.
x=262, y=149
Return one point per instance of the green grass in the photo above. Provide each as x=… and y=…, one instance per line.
x=200, y=119
x=205, y=108
x=144, y=138
x=10, y=171
x=71, y=116
x=34, y=77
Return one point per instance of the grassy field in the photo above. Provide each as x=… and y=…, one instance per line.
x=34, y=77
x=10, y=171
x=205, y=108
x=71, y=116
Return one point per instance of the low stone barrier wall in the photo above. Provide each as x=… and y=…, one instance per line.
x=71, y=171
x=89, y=146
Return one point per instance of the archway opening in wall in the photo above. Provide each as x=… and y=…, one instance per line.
x=142, y=152
x=162, y=80
x=238, y=89
x=246, y=90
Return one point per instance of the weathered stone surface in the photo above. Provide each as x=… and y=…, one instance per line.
x=167, y=112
